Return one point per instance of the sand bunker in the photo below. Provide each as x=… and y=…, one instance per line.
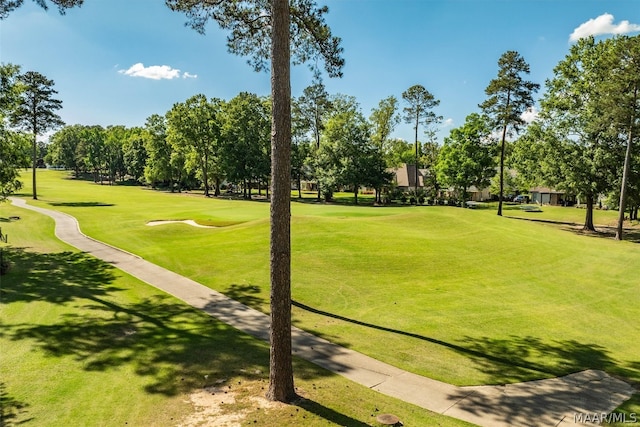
x=185, y=221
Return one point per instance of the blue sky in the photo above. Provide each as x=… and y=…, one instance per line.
x=451, y=47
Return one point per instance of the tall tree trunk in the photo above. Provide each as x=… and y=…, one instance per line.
x=623, y=187
x=317, y=135
x=502, y=150
x=205, y=175
x=416, y=143
x=281, y=386
x=35, y=161
x=588, y=221
x=625, y=173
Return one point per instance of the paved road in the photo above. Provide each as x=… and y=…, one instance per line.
x=552, y=402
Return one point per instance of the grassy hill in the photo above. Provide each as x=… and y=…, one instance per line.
x=83, y=344
x=455, y=294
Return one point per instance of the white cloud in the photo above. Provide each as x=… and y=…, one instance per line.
x=188, y=75
x=530, y=115
x=448, y=122
x=603, y=24
x=155, y=72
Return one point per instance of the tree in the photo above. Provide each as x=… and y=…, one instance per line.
x=583, y=154
x=311, y=110
x=622, y=105
x=467, y=156
x=245, y=134
x=158, y=167
x=430, y=151
x=13, y=145
x=397, y=152
x=418, y=112
x=8, y=6
x=114, y=139
x=346, y=156
x=14, y=149
x=509, y=96
x=94, y=151
x=302, y=148
x=383, y=121
x=135, y=154
x=195, y=124
x=64, y=148
x=36, y=112
x=268, y=30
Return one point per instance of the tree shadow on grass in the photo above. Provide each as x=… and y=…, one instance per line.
x=81, y=204
x=602, y=231
x=55, y=277
x=176, y=347
x=607, y=232
x=12, y=411
x=544, y=221
x=329, y=414
x=547, y=402
x=518, y=358
x=246, y=294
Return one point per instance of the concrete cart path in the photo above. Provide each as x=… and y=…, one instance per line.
x=552, y=402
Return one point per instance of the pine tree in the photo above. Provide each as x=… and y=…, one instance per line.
x=36, y=111
x=509, y=96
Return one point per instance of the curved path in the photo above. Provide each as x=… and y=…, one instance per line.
x=552, y=402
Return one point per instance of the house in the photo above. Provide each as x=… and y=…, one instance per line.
x=405, y=177
x=547, y=196
x=478, y=195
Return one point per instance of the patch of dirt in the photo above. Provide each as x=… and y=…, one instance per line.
x=219, y=406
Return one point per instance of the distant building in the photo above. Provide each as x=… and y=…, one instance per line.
x=479, y=195
x=405, y=177
x=549, y=196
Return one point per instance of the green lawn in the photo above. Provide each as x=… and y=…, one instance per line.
x=458, y=295
x=84, y=344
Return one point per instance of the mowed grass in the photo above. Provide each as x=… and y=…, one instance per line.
x=454, y=294
x=84, y=344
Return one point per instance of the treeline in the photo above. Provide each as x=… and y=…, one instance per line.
x=585, y=140
x=582, y=142
x=208, y=143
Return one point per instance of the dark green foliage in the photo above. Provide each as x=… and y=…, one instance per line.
x=581, y=153
x=468, y=156
x=249, y=24
x=419, y=111
x=14, y=146
x=36, y=111
x=195, y=127
x=8, y=6
x=509, y=96
x=347, y=157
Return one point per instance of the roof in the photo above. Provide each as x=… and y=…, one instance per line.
x=545, y=190
x=406, y=176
